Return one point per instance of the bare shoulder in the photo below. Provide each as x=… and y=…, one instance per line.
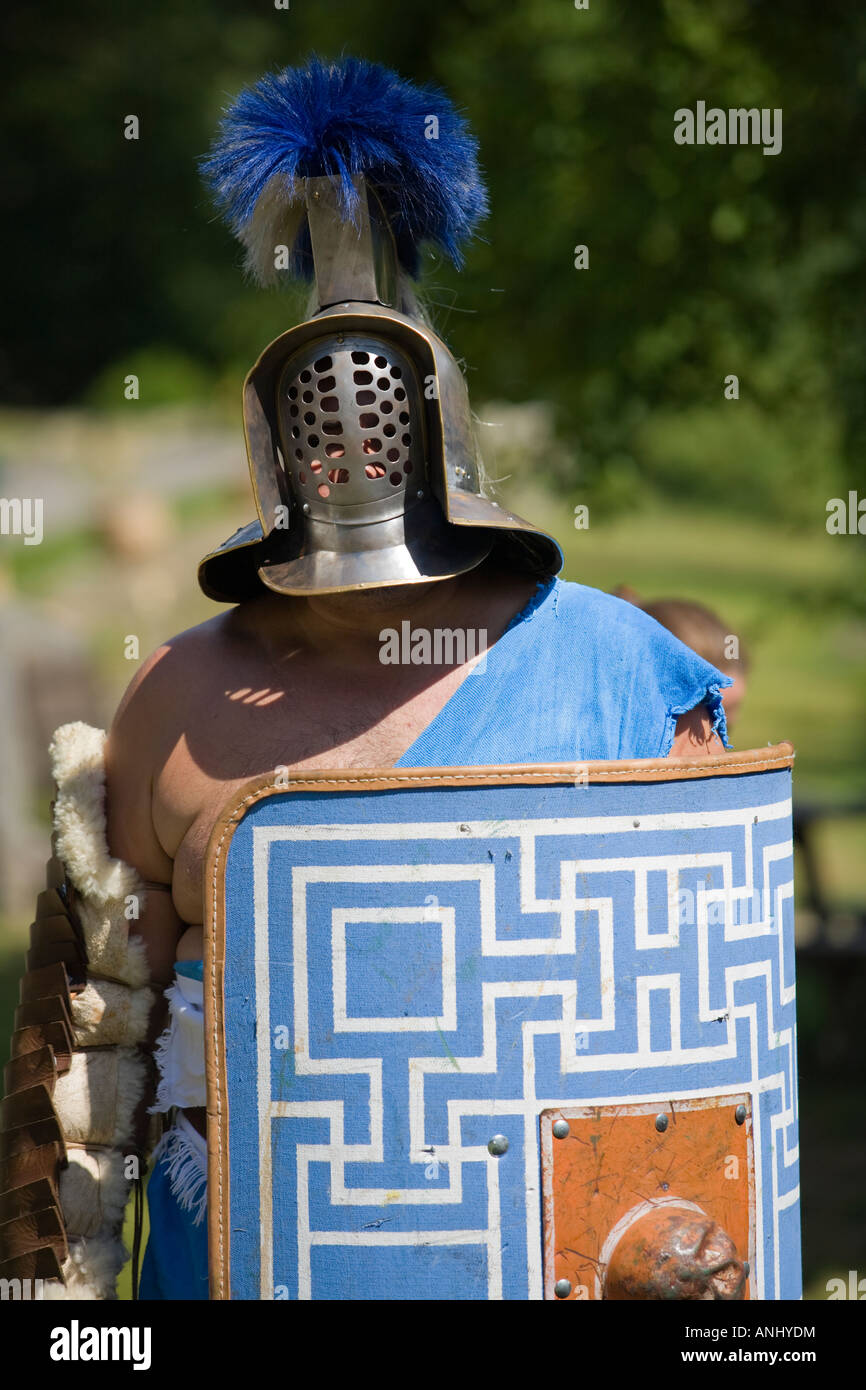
x=146, y=727
x=165, y=681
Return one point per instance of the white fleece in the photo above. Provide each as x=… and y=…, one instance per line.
x=105, y=884
x=97, y=1098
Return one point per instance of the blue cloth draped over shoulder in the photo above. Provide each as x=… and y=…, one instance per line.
x=577, y=675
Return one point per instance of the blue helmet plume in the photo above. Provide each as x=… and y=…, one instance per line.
x=341, y=119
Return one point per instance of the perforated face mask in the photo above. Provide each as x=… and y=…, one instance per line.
x=352, y=431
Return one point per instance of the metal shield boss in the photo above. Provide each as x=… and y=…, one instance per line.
x=507, y=1033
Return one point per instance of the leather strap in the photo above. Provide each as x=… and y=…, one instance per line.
x=33, y=1240
x=38, y=1264
x=26, y=1108
x=52, y=902
x=138, y=1231
x=14, y=1142
x=55, y=869
x=53, y=1009
x=56, y=933
x=29, y=1197
x=55, y=1035
x=53, y=926
x=27, y=1233
x=27, y=1121
x=46, y=952
x=19, y=1170
x=37, y=1067
x=44, y=1016
x=45, y=983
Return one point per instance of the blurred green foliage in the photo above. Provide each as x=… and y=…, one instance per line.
x=165, y=377
x=789, y=597
x=704, y=261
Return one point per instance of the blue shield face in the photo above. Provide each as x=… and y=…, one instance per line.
x=401, y=982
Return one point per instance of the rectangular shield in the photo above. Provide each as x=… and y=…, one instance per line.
x=410, y=975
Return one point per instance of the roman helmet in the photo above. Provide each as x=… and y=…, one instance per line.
x=358, y=428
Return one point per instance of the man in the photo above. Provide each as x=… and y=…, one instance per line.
x=276, y=682
x=371, y=520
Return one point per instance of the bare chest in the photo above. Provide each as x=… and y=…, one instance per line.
x=247, y=729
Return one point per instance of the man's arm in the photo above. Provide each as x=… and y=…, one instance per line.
x=694, y=737
x=131, y=765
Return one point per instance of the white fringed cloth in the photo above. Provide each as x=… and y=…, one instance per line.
x=180, y=1058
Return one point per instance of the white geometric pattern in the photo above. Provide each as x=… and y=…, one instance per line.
x=566, y=975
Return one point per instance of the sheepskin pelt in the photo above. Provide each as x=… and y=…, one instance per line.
x=91, y=1270
x=96, y=1099
x=105, y=886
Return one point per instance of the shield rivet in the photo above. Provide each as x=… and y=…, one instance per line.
x=562, y=1288
x=498, y=1145
x=661, y=1123
x=306, y=506
x=740, y=1114
x=561, y=1129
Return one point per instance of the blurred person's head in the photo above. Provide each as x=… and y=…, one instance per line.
x=702, y=630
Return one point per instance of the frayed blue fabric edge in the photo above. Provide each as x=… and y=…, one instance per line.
x=187, y=1179
x=711, y=696
x=542, y=592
